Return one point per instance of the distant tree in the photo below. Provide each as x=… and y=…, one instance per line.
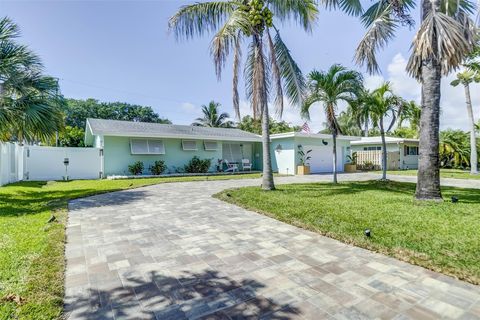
x=348, y=122
x=454, y=149
x=29, y=101
x=465, y=78
x=329, y=88
x=71, y=137
x=77, y=112
x=252, y=125
x=405, y=132
x=382, y=104
x=211, y=117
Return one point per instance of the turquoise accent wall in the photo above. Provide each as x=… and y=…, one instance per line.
x=117, y=155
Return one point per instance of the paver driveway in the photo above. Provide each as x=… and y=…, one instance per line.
x=171, y=251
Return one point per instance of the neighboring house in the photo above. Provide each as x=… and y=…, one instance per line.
x=405, y=150
x=125, y=142
x=285, y=158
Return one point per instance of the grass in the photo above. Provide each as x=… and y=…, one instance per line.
x=442, y=237
x=32, y=250
x=444, y=173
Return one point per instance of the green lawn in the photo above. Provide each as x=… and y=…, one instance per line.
x=444, y=173
x=32, y=250
x=443, y=237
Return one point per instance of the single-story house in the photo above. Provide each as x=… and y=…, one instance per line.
x=285, y=147
x=404, y=151
x=125, y=142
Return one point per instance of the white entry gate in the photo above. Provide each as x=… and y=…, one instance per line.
x=52, y=163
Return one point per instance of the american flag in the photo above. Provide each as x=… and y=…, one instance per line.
x=305, y=128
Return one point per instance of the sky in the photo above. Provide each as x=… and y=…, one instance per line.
x=122, y=51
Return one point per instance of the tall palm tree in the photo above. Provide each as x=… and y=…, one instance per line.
x=211, y=118
x=465, y=78
x=29, y=101
x=329, y=88
x=445, y=36
x=268, y=63
x=383, y=103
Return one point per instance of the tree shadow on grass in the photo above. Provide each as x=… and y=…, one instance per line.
x=204, y=295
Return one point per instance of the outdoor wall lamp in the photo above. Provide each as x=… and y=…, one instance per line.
x=278, y=148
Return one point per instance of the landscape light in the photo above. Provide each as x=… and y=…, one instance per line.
x=454, y=199
x=367, y=233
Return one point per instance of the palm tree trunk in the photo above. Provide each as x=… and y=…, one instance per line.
x=384, y=151
x=334, y=136
x=365, y=131
x=428, y=179
x=473, y=140
x=261, y=98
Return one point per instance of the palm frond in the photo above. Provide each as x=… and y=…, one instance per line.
x=237, y=53
x=277, y=77
x=381, y=29
x=442, y=38
x=8, y=29
x=200, y=18
x=351, y=7
x=293, y=80
x=304, y=12
x=225, y=40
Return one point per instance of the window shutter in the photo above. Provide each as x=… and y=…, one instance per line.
x=210, y=145
x=156, y=147
x=139, y=146
x=144, y=146
x=189, y=145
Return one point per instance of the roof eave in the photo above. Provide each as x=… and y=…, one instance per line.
x=177, y=136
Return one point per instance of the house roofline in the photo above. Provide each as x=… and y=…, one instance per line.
x=177, y=136
x=311, y=135
x=400, y=140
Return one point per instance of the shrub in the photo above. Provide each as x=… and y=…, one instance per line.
x=136, y=168
x=158, y=167
x=197, y=165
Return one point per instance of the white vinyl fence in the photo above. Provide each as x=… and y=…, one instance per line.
x=374, y=158
x=11, y=163
x=37, y=163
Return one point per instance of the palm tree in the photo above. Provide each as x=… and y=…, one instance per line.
x=383, y=103
x=329, y=88
x=454, y=149
x=268, y=63
x=445, y=36
x=29, y=101
x=211, y=118
x=465, y=78
x=360, y=110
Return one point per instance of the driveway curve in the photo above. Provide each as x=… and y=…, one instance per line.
x=171, y=251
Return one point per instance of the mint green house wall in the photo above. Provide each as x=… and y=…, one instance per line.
x=117, y=154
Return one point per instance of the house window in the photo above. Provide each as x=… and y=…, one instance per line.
x=210, y=145
x=372, y=148
x=189, y=145
x=411, y=151
x=147, y=146
x=232, y=152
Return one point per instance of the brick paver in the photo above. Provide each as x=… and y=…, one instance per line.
x=171, y=251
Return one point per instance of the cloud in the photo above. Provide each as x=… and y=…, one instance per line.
x=453, y=110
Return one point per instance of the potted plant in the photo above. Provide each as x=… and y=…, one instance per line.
x=351, y=166
x=303, y=167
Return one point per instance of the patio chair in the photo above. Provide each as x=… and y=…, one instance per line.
x=246, y=165
x=231, y=166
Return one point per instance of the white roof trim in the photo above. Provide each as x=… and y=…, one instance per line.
x=176, y=136
x=310, y=135
x=388, y=140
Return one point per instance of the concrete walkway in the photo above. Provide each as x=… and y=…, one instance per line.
x=171, y=251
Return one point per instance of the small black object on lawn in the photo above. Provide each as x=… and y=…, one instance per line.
x=229, y=195
x=367, y=233
x=454, y=199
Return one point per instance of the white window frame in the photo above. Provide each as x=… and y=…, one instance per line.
x=148, y=146
x=189, y=149
x=208, y=148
